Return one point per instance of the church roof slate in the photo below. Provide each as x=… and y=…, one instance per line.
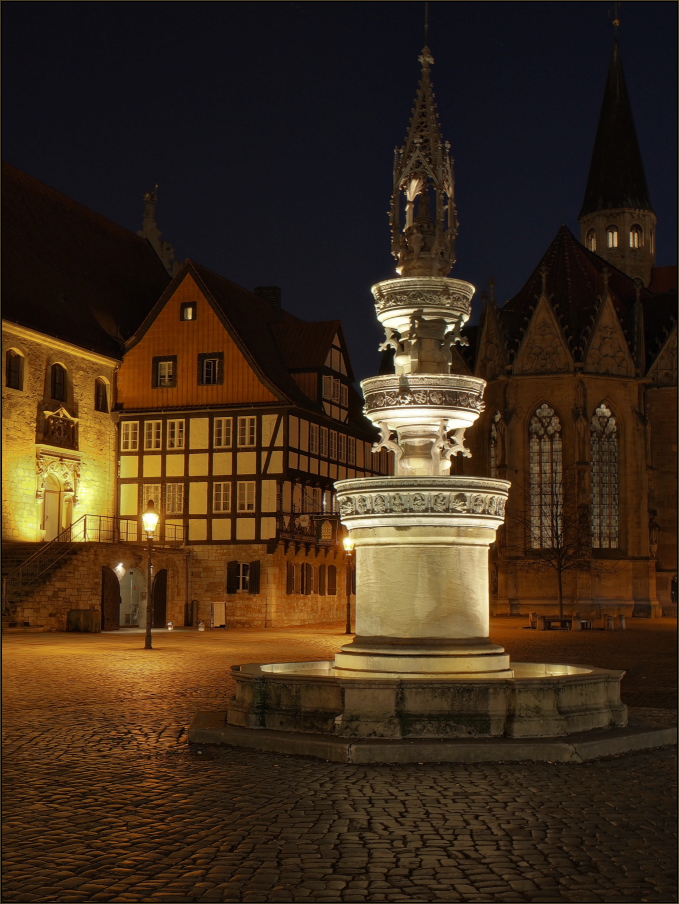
x=616, y=174
x=69, y=272
x=575, y=286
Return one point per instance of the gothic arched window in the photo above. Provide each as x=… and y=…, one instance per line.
x=100, y=395
x=604, y=454
x=636, y=237
x=546, y=478
x=591, y=240
x=14, y=370
x=58, y=383
x=612, y=237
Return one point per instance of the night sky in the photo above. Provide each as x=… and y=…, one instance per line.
x=270, y=129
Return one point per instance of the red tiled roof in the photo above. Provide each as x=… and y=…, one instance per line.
x=71, y=273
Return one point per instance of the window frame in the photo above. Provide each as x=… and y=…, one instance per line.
x=242, y=494
x=185, y=307
x=55, y=384
x=156, y=438
x=249, y=431
x=314, y=438
x=546, y=478
x=222, y=485
x=178, y=441
x=612, y=237
x=101, y=402
x=123, y=431
x=604, y=478
x=169, y=381
x=323, y=446
x=332, y=445
x=218, y=358
x=225, y=425
x=172, y=490
x=14, y=369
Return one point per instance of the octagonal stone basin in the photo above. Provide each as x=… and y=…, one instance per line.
x=540, y=700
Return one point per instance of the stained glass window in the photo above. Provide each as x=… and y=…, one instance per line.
x=546, y=479
x=604, y=456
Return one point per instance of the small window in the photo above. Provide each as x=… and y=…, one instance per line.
x=174, y=499
x=612, y=237
x=313, y=438
x=58, y=383
x=100, y=395
x=242, y=577
x=152, y=434
x=151, y=491
x=332, y=580
x=14, y=370
x=333, y=444
x=324, y=440
x=188, y=310
x=351, y=450
x=221, y=497
x=636, y=237
x=221, y=435
x=246, y=495
x=129, y=436
x=591, y=240
x=247, y=431
x=175, y=434
x=333, y=389
x=211, y=369
x=342, y=447
x=164, y=372
x=344, y=395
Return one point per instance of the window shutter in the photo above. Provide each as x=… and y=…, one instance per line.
x=154, y=375
x=321, y=579
x=254, y=576
x=290, y=579
x=306, y=578
x=332, y=580
x=232, y=577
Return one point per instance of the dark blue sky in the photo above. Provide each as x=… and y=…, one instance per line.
x=270, y=128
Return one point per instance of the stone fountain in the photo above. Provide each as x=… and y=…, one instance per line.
x=422, y=664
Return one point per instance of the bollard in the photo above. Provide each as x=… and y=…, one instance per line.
x=608, y=623
x=201, y=626
x=576, y=623
x=542, y=625
x=170, y=626
x=621, y=622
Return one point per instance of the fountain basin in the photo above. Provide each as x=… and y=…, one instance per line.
x=541, y=700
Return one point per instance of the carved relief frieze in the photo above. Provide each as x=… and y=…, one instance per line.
x=65, y=470
x=59, y=428
x=608, y=351
x=422, y=503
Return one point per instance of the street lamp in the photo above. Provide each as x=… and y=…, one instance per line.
x=349, y=555
x=149, y=519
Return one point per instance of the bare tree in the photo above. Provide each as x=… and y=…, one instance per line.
x=553, y=532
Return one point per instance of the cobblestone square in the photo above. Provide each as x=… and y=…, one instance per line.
x=104, y=800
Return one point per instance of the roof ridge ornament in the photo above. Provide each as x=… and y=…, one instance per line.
x=423, y=239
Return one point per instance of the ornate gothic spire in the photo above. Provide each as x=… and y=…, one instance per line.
x=423, y=242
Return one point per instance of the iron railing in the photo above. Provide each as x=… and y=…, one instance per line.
x=87, y=529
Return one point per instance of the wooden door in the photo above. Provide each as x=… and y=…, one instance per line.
x=110, y=599
x=159, y=592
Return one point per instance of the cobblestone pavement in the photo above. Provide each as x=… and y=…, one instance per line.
x=103, y=799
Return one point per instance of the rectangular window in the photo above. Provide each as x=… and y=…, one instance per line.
x=164, y=371
x=324, y=440
x=174, y=499
x=13, y=370
x=246, y=495
x=351, y=450
x=187, y=311
x=152, y=491
x=129, y=436
x=344, y=396
x=152, y=434
x=247, y=431
x=313, y=438
x=333, y=444
x=342, y=447
x=211, y=369
x=221, y=497
x=175, y=434
x=243, y=576
x=100, y=395
x=222, y=432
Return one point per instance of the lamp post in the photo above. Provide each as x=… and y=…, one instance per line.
x=349, y=554
x=149, y=520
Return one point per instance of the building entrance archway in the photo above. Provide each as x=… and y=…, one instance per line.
x=52, y=507
x=133, y=599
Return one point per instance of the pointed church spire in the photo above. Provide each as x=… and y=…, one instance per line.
x=423, y=242
x=617, y=219
x=616, y=174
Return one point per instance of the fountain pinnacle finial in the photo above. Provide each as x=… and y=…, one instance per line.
x=424, y=232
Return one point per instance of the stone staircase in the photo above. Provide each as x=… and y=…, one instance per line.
x=13, y=556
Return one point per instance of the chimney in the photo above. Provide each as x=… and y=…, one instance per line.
x=272, y=294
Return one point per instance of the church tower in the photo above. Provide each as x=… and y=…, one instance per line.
x=616, y=219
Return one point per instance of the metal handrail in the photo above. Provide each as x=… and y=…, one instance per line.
x=87, y=529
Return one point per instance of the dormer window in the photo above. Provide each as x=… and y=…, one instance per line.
x=188, y=310
x=636, y=237
x=591, y=240
x=612, y=237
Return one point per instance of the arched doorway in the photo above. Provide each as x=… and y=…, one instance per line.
x=160, y=599
x=133, y=596
x=110, y=599
x=52, y=507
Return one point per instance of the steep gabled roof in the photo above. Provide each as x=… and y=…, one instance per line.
x=575, y=284
x=306, y=345
x=71, y=273
x=616, y=173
